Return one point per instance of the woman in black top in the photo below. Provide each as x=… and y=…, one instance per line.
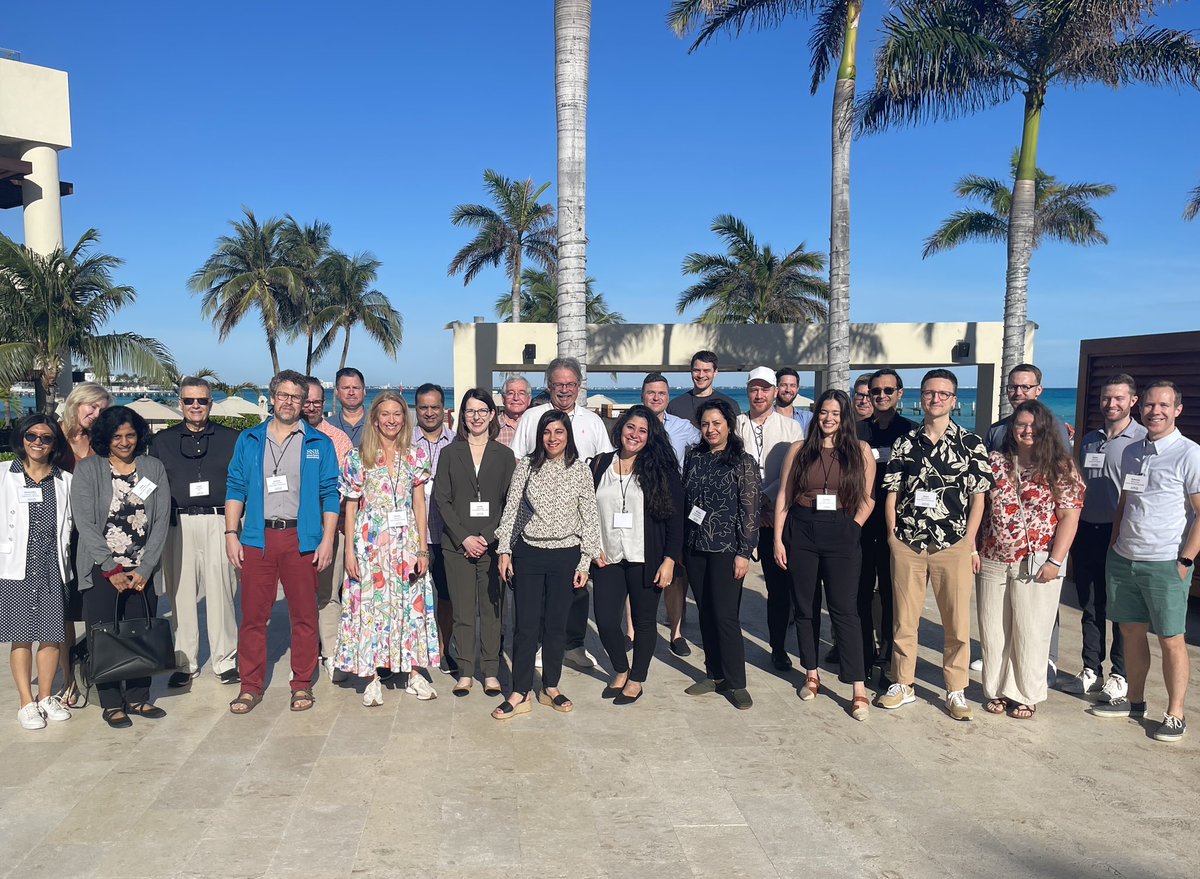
x=640, y=499
x=723, y=492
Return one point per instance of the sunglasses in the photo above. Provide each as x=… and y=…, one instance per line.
x=882, y=392
x=195, y=401
x=39, y=439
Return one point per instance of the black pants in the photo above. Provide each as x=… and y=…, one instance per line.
x=474, y=586
x=613, y=584
x=876, y=567
x=542, y=595
x=1088, y=552
x=577, y=619
x=99, y=602
x=719, y=598
x=823, y=546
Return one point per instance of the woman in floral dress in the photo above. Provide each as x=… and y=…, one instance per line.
x=388, y=599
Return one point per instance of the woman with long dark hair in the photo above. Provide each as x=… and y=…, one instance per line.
x=547, y=540
x=640, y=500
x=825, y=495
x=722, y=495
x=1029, y=521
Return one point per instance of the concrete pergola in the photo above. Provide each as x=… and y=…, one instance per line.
x=481, y=349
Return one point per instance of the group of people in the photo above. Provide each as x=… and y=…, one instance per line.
x=398, y=541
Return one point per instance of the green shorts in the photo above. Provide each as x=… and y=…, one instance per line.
x=1147, y=592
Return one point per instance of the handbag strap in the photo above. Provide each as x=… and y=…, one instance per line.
x=117, y=604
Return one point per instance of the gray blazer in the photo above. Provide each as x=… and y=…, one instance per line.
x=91, y=496
x=455, y=484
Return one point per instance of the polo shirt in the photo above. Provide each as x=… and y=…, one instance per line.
x=591, y=436
x=354, y=431
x=190, y=457
x=681, y=433
x=434, y=451
x=1155, y=521
x=1104, y=483
x=997, y=432
x=282, y=459
x=685, y=405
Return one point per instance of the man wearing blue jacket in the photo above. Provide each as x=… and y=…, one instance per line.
x=284, y=476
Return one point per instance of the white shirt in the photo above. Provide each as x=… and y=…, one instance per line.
x=1156, y=520
x=621, y=494
x=591, y=436
x=768, y=445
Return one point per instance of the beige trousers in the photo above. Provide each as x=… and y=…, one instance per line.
x=1016, y=619
x=195, y=566
x=329, y=598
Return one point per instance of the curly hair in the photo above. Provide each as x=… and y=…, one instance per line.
x=1050, y=461
x=852, y=489
x=655, y=465
x=107, y=423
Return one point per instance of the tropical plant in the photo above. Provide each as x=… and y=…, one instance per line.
x=226, y=388
x=754, y=285
x=250, y=269
x=352, y=301
x=540, y=301
x=52, y=310
x=1193, y=206
x=834, y=37
x=517, y=228
x=305, y=246
x=942, y=59
x=1062, y=211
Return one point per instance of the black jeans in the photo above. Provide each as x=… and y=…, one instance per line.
x=99, y=602
x=876, y=567
x=577, y=618
x=823, y=546
x=719, y=597
x=612, y=585
x=542, y=594
x=1088, y=552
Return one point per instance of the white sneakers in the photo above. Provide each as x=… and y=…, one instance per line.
x=956, y=705
x=52, y=708
x=1116, y=687
x=373, y=694
x=35, y=714
x=977, y=664
x=419, y=687
x=1087, y=681
x=30, y=717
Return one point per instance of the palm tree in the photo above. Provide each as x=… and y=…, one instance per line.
x=540, y=301
x=834, y=36
x=949, y=58
x=1062, y=212
x=1193, y=206
x=57, y=304
x=304, y=248
x=572, y=44
x=347, y=281
x=226, y=388
x=517, y=228
x=250, y=270
x=754, y=285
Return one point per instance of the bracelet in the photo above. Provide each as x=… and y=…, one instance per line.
x=108, y=575
x=234, y=531
x=422, y=554
x=1053, y=562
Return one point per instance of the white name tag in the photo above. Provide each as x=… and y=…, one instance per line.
x=397, y=518
x=697, y=515
x=1134, y=482
x=6, y=547
x=276, y=484
x=480, y=509
x=30, y=495
x=144, y=488
x=926, y=499
x=623, y=520
x=883, y=455
x=198, y=489
x=827, y=502
x=1093, y=460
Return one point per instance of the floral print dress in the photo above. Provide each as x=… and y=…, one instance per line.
x=388, y=615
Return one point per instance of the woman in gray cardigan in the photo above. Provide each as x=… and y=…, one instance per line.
x=122, y=506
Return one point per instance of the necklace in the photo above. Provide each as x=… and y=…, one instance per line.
x=476, y=445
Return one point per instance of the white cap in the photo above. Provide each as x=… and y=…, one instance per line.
x=762, y=374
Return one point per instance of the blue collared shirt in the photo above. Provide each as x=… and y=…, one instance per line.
x=682, y=433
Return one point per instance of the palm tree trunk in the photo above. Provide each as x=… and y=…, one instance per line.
x=838, y=351
x=345, y=348
x=1020, y=244
x=572, y=37
x=308, y=360
x=516, y=281
x=274, y=349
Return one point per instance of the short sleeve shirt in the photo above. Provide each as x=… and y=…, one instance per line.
x=1023, y=514
x=1156, y=520
x=1104, y=483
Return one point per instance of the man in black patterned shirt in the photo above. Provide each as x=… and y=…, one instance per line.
x=935, y=484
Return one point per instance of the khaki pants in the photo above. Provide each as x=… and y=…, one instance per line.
x=1016, y=618
x=195, y=565
x=329, y=598
x=949, y=572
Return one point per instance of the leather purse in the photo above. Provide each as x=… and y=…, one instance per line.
x=132, y=648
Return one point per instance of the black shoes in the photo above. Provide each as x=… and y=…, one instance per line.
x=781, y=660
x=178, y=680
x=622, y=699
x=448, y=666
x=701, y=688
x=741, y=699
x=230, y=677
x=680, y=647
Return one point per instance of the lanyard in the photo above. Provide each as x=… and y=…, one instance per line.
x=394, y=484
x=622, y=483
x=828, y=469
x=275, y=459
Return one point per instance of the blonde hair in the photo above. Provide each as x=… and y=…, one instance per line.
x=372, y=444
x=84, y=392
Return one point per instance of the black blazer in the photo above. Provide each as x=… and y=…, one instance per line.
x=455, y=485
x=664, y=537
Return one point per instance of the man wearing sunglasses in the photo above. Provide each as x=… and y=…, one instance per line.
x=196, y=454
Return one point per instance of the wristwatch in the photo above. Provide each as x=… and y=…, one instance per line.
x=1186, y=562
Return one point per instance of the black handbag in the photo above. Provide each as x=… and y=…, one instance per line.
x=134, y=648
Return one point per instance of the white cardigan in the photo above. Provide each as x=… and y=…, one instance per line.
x=14, y=537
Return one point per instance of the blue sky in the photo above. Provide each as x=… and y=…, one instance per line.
x=379, y=118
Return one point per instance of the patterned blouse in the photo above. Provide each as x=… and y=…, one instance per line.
x=553, y=507
x=125, y=530
x=1005, y=538
x=729, y=497
x=953, y=470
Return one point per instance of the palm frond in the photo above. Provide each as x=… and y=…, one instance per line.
x=1192, y=208
x=963, y=226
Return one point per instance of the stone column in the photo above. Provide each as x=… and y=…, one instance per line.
x=42, y=200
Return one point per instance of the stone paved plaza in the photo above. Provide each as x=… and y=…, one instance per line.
x=673, y=786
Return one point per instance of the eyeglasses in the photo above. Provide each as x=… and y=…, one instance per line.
x=936, y=395
x=195, y=401
x=289, y=398
x=862, y=396
x=1024, y=389
x=477, y=413
x=516, y=393
x=563, y=386
x=882, y=392
x=308, y=403
x=39, y=439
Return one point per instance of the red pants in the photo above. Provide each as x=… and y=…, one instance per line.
x=262, y=571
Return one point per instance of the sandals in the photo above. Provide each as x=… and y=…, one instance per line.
x=145, y=709
x=463, y=686
x=302, y=700
x=492, y=689
x=244, y=703
x=558, y=703
x=860, y=708
x=996, y=706
x=507, y=710
x=111, y=718
x=812, y=686
x=1021, y=711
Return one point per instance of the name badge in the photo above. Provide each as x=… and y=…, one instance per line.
x=1134, y=482
x=144, y=488
x=697, y=515
x=926, y=499
x=198, y=489
x=30, y=495
x=1093, y=460
x=397, y=518
x=827, y=502
x=480, y=509
x=623, y=520
x=276, y=484
x=883, y=454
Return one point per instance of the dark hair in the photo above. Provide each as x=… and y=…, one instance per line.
x=864, y=379
x=940, y=373
x=288, y=375
x=429, y=388
x=706, y=356
x=734, y=448
x=655, y=464
x=60, y=452
x=1164, y=383
x=348, y=372
x=538, y=457
x=654, y=378
x=483, y=397
x=1051, y=462
x=1121, y=378
x=787, y=370
x=114, y=417
x=194, y=381
x=1026, y=367
x=887, y=370
x=852, y=490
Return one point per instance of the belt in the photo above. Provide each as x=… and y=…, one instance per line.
x=281, y=524
x=201, y=511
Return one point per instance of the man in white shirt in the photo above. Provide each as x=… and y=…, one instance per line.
x=1150, y=565
x=767, y=436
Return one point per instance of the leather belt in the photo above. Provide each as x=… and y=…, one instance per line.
x=281, y=524
x=201, y=511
